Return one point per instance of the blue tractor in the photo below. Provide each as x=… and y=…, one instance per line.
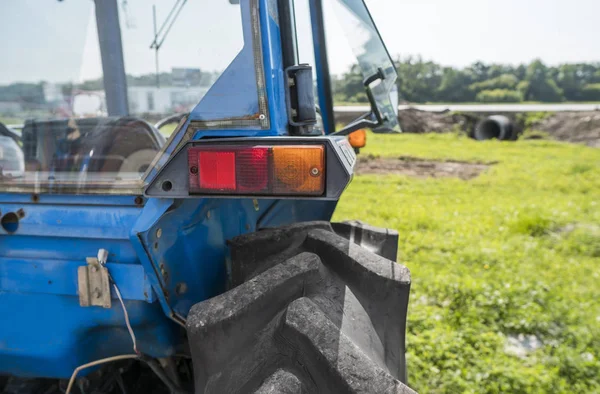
x=203, y=262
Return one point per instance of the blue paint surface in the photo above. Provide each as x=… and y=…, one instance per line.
x=46, y=276
x=49, y=332
x=159, y=277
x=50, y=335
x=273, y=61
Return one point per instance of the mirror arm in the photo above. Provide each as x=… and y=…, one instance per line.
x=366, y=120
x=379, y=75
x=359, y=123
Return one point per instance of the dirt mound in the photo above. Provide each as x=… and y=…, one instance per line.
x=415, y=121
x=419, y=168
x=579, y=127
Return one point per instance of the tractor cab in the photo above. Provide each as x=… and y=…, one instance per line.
x=227, y=66
x=168, y=171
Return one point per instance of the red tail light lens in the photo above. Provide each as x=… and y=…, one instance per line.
x=216, y=170
x=253, y=170
x=260, y=170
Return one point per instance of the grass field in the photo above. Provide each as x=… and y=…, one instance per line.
x=509, y=257
x=345, y=103
x=167, y=130
x=7, y=121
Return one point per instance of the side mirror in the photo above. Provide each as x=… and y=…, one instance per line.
x=374, y=119
x=394, y=100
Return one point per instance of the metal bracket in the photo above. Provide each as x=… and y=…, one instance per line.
x=93, y=284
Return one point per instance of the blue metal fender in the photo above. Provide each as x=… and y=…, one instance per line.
x=48, y=333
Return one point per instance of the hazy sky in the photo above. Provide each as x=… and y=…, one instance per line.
x=56, y=41
x=459, y=32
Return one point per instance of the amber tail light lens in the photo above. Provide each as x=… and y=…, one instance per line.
x=358, y=139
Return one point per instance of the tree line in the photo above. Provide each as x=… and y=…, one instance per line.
x=421, y=81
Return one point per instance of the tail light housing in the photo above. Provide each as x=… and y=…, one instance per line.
x=285, y=167
x=267, y=170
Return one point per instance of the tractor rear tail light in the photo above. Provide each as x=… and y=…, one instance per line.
x=257, y=170
x=317, y=168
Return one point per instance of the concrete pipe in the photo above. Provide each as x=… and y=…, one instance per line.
x=495, y=127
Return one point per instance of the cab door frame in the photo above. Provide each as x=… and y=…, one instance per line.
x=289, y=40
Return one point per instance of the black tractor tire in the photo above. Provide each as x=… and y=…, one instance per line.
x=314, y=308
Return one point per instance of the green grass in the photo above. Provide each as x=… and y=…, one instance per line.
x=513, y=251
x=344, y=103
x=519, y=103
x=167, y=130
x=7, y=121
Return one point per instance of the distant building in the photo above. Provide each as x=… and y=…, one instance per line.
x=186, y=76
x=88, y=103
x=142, y=100
x=163, y=100
x=52, y=92
x=10, y=107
